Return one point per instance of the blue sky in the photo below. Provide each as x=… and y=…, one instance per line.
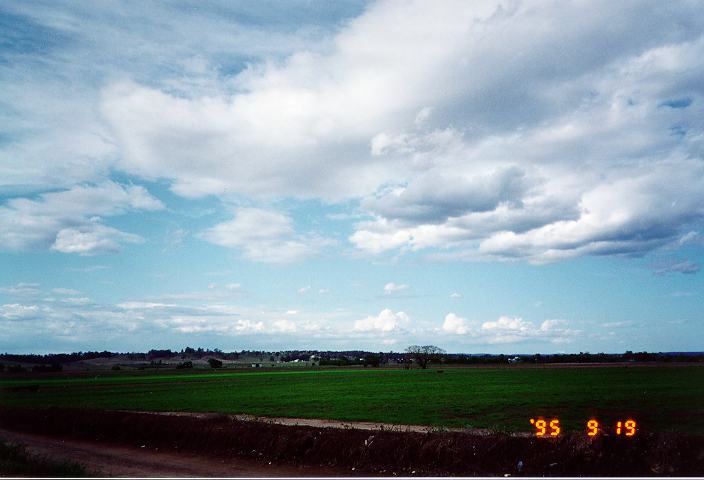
x=485, y=176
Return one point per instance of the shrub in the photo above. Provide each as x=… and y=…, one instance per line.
x=54, y=367
x=214, y=363
x=189, y=364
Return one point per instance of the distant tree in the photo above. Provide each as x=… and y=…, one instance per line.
x=214, y=363
x=372, y=360
x=189, y=364
x=425, y=354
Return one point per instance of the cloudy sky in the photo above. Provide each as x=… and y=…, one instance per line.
x=496, y=176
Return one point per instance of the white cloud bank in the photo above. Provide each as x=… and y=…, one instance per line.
x=495, y=152
x=491, y=130
x=509, y=330
x=70, y=221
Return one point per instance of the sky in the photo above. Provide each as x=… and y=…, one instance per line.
x=487, y=177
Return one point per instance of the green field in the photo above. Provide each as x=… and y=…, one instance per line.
x=658, y=397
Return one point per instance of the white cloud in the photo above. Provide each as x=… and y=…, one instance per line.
x=514, y=329
x=17, y=311
x=684, y=267
x=508, y=330
x=303, y=290
x=386, y=321
x=455, y=324
x=70, y=220
x=65, y=291
x=542, y=154
x=144, y=305
x=76, y=300
x=455, y=295
x=284, y=326
x=507, y=324
x=91, y=239
x=21, y=289
x=249, y=326
x=264, y=236
x=392, y=288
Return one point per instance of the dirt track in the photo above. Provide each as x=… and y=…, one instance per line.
x=326, y=423
x=120, y=461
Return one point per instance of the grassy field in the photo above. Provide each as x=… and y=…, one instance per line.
x=659, y=398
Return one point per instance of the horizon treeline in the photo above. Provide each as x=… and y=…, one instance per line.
x=357, y=357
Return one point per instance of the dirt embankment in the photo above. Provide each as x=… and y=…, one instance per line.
x=367, y=452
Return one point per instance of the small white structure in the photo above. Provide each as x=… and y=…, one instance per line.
x=514, y=360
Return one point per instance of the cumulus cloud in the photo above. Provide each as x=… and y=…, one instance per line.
x=76, y=49
x=70, y=221
x=507, y=324
x=91, y=239
x=386, y=321
x=490, y=153
x=455, y=324
x=284, y=326
x=508, y=330
x=264, y=236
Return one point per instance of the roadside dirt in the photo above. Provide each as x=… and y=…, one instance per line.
x=108, y=460
x=302, y=450
x=344, y=425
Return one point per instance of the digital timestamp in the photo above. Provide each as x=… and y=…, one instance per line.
x=551, y=427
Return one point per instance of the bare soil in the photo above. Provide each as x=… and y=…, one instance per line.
x=206, y=441
x=108, y=460
x=341, y=424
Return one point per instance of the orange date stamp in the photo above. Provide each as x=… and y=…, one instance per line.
x=551, y=427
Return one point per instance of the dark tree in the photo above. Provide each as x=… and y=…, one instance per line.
x=372, y=360
x=423, y=355
x=214, y=363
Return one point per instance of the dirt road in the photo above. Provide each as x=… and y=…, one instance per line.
x=120, y=461
x=340, y=424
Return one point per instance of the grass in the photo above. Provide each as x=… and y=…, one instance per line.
x=15, y=461
x=659, y=398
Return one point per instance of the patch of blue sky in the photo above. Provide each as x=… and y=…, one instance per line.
x=676, y=103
